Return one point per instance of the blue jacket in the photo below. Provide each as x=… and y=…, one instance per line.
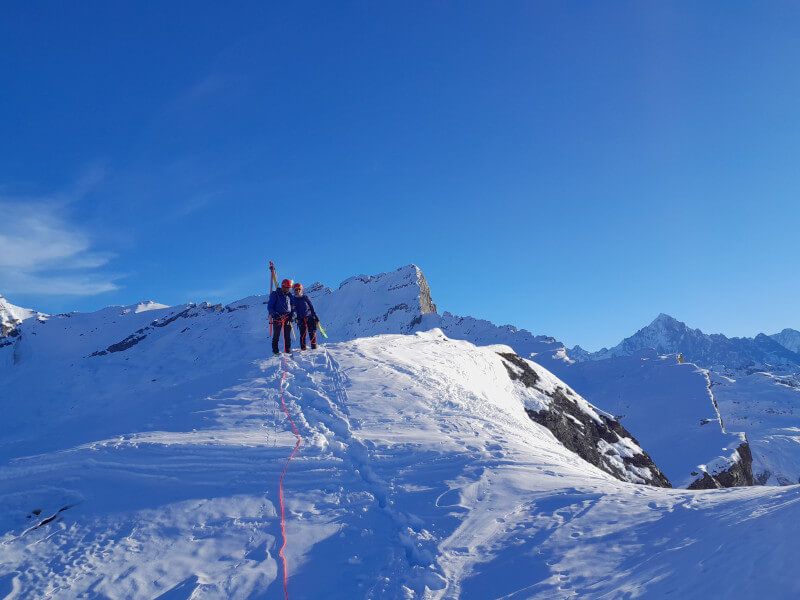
x=303, y=307
x=280, y=304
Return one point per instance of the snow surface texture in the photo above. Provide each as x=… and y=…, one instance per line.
x=152, y=472
x=665, y=404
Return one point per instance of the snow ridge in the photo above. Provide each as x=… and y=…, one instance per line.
x=12, y=316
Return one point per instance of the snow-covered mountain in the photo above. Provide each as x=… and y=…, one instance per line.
x=754, y=383
x=11, y=316
x=673, y=411
x=669, y=336
x=765, y=406
x=788, y=338
x=400, y=302
x=395, y=302
x=362, y=306
x=141, y=456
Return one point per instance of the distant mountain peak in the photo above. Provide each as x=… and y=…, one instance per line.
x=11, y=315
x=664, y=318
x=789, y=339
x=667, y=335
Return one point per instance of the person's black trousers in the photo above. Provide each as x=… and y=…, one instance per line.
x=307, y=325
x=286, y=325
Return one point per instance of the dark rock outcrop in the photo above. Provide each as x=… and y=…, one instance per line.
x=525, y=374
x=128, y=342
x=7, y=339
x=426, y=304
x=141, y=334
x=739, y=473
x=593, y=435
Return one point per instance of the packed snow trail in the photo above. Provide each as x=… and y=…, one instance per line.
x=299, y=441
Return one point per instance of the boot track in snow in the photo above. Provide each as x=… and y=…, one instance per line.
x=297, y=444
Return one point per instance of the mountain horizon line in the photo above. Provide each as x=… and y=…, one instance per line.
x=787, y=335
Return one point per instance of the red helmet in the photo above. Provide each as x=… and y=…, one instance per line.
x=298, y=286
x=286, y=283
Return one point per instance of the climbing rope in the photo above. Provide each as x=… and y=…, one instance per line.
x=297, y=443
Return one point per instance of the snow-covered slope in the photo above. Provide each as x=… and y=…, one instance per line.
x=545, y=350
x=152, y=471
x=73, y=335
x=400, y=302
x=592, y=434
x=765, y=406
x=669, y=336
x=669, y=407
x=393, y=302
x=755, y=383
x=11, y=316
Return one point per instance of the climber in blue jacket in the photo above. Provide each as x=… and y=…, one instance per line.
x=280, y=306
x=307, y=318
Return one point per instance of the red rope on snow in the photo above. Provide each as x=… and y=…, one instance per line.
x=280, y=484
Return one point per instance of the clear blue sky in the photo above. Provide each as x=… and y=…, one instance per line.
x=574, y=168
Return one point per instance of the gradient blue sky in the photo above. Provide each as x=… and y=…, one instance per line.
x=573, y=168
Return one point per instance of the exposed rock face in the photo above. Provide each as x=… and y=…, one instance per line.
x=9, y=337
x=593, y=435
x=426, y=304
x=739, y=472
